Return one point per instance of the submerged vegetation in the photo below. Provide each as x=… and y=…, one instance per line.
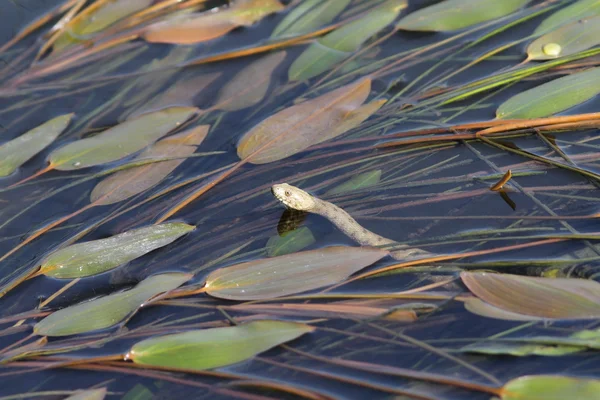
x=446, y=149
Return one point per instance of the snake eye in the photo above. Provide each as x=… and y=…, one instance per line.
x=287, y=193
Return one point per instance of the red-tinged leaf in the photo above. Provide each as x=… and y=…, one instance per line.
x=483, y=309
x=296, y=128
x=289, y=274
x=548, y=298
x=196, y=28
x=127, y=183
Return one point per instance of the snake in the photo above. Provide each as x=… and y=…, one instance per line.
x=297, y=199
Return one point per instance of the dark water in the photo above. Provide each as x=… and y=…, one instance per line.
x=242, y=209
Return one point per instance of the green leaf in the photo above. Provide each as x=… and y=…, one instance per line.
x=291, y=242
x=566, y=40
x=104, y=312
x=15, y=153
x=548, y=298
x=249, y=86
x=127, y=183
x=577, y=10
x=90, y=394
x=97, y=256
x=289, y=274
x=360, y=181
x=342, y=42
x=550, y=387
x=520, y=349
x=120, y=141
x=138, y=392
x=552, y=97
x=309, y=16
x=215, y=347
x=451, y=15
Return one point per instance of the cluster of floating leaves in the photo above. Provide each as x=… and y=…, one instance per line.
x=152, y=140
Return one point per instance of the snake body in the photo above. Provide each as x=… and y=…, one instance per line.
x=298, y=199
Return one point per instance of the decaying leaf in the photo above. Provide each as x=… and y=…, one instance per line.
x=97, y=256
x=215, y=347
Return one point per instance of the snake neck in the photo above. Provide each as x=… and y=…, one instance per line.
x=348, y=225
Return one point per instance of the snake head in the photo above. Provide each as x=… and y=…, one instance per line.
x=293, y=197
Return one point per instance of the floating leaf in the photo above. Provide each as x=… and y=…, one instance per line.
x=308, y=16
x=97, y=17
x=249, y=86
x=360, y=181
x=552, y=97
x=566, y=40
x=296, y=128
x=573, y=12
x=127, y=183
x=215, y=347
x=15, y=153
x=289, y=274
x=550, y=387
x=196, y=28
x=483, y=309
x=548, y=298
x=120, y=141
x=291, y=242
x=451, y=15
x=107, y=311
x=520, y=349
x=97, y=256
x=90, y=394
x=342, y=42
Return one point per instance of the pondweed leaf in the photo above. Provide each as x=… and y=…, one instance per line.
x=289, y=274
x=568, y=39
x=90, y=394
x=97, y=256
x=95, y=18
x=552, y=97
x=571, y=13
x=249, y=86
x=360, y=181
x=451, y=15
x=520, y=349
x=298, y=127
x=342, y=42
x=107, y=311
x=550, y=387
x=479, y=307
x=127, y=183
x=308, y=16
x=215, y=347
x=15, y=153
x=290, y=242
x=120, y=141
x=547, y=298
x=196, y=28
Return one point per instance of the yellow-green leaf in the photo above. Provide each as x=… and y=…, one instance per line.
x=104, y=312
x=572, y=12
x=249, y=86
x=196, y=28
x=15, y=153
x=291, y=242
x=360, y=181
x=552, y=97
x=120, y=141
x=548, y=298
x=342, y=42
x=90, y=394
x=97, y=256
x=289, y=274
x=550, y=387
x=215, y=347
x=520, y=349
x=296, y=128
x=308, y=16
x=451, y=15
x=566, y=40
x=127, y=183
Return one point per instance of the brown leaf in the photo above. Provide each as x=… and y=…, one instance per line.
x=298, y=127
x=196, y=28
x=127, y=183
